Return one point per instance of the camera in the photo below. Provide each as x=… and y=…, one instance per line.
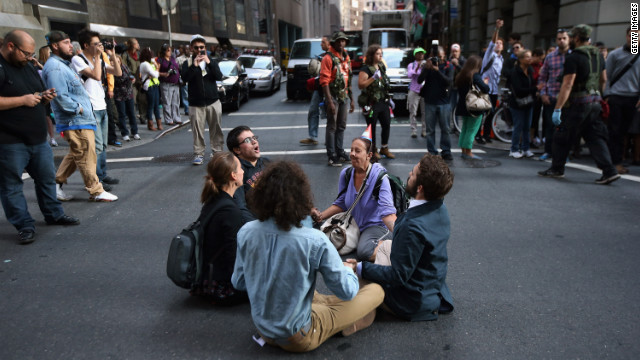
x=171, y=72
x=108, y=45
x=434, y=52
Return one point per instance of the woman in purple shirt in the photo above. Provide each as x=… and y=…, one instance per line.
x=169, y=85
x=375, y=216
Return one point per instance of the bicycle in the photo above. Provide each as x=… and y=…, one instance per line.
x=501, y=122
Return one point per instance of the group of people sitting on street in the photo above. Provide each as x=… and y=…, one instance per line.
x=263, y=212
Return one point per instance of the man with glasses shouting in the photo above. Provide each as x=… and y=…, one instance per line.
x=23, y=138
x=201, y=73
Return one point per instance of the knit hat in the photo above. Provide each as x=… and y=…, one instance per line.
x=367, y=133
x=55, y=36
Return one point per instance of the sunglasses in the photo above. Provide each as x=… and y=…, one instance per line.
x=250, y=139
x=199, y=47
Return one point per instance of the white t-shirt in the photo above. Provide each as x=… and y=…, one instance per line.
x=93, y=87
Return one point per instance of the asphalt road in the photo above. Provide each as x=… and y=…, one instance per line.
x=538, y=268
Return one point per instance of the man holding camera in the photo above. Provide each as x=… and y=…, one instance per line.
x=93, y=70
x=23, y=138
x=201, y=73
x=437, y=74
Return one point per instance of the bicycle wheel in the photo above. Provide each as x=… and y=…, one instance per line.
x=502, y=125
x=456, y=120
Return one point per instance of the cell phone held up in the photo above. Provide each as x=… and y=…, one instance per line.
x=203, y=52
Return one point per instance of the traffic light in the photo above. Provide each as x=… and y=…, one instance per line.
x=262, y=25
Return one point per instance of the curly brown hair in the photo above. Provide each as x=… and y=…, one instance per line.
x=371, y=51
x=435, y=176
x=283, y=193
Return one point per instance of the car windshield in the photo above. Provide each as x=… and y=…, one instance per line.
x=228, y=68
x=306, y=50
x=263, y=63
x=388, y=38
x=397, y=59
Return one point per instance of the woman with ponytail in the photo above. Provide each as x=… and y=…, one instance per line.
x=224, y=176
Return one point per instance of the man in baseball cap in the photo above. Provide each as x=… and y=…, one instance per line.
x=583, y=31
x=414, y=100
x=55, y=36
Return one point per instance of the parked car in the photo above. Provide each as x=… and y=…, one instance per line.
x=397, y=61
x=302, y=52
x=234, y=87
x=263, y=71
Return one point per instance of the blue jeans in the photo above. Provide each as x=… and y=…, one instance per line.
x=153, y=103
x=38, y=161
x=313, y=118
x=102, y=129
x=438, y=114
x=184, y=94
x=521, y=125
x=126, y=108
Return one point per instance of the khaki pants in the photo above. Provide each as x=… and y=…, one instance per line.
x=415, y=101
x=81, y=156
x=330, y=315
x=212, y=116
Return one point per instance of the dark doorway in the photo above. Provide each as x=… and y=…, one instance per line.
x=70, y=28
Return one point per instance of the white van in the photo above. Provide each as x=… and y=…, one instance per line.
x=302, y=51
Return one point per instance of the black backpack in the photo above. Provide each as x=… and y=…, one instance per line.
x=184, y=264
x=400, y=197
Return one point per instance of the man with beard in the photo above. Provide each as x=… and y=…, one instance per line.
x=583, y=81
x=23, y=138
x=74, y=117
x=412, y=268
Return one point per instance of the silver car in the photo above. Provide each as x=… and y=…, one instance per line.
x=397, y=61
x=264, y=71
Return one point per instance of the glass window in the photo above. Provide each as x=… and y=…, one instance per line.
x=189, y=14
x=144, y=8
x=397, y=59
x=256, y=63
x=306, y=50
x=228, y=68
x=241, y=26
x=219, y=15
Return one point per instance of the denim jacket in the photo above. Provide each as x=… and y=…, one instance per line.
x=279, y=268
x=72, y=96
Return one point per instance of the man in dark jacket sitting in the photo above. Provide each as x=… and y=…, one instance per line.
x=412, y=268
x=201, y=73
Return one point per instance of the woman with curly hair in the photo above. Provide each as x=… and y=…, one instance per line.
x=278, y=261
x=224, y=176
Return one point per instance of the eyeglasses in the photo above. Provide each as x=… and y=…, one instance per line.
x=25, y=53
x=250, y=139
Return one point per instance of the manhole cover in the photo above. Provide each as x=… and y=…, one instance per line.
x=174, y=158
x=476, y=163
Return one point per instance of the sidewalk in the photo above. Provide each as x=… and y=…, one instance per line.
x=146, y=136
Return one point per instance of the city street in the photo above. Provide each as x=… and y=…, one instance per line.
x=538, y=268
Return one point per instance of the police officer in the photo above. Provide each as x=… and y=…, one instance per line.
x=577, y=109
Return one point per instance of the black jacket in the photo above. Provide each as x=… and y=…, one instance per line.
x=203, y=91
x=436, y=84
x=521, y=85
x=220, y=236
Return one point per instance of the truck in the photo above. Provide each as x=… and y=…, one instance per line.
x=388, y=28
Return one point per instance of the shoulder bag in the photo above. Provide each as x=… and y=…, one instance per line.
x=477, y=101
x=341, y=228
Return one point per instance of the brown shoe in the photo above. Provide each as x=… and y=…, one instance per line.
x=622, y=170
x=363, y=323
x=159, y=122
x=376, y=156
x=385, y=151
x=150, y=125
x=308, y=141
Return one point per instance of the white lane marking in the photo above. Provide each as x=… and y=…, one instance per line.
x=323, y=151
x=268, y=113
x=146, y=158
x=303, y=127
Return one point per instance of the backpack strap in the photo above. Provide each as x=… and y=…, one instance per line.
x=484, y=70
x=378, y=185
x=623, y=71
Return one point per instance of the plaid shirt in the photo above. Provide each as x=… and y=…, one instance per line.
x=550, y=74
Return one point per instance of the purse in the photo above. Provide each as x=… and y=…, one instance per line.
x=341, y=228
x=477, y=101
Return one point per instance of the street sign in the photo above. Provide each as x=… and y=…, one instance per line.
x=167, y=5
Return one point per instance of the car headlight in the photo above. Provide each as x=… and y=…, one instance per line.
x=265, y=77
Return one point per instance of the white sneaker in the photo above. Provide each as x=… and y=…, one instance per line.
x=126, y=138
x=53, y=142
x=198, y=160
x=515, y=155
x=60, y=195
x=136, y=136
x=529, y=154
x=104, y=197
